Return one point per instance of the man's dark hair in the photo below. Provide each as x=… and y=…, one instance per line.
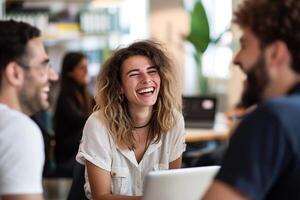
x=272, y=20
x=14, y=37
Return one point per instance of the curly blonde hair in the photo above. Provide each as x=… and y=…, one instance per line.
x=115, y=109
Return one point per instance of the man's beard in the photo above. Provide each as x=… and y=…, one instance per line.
x=257, y=80
x=32, y=104
x=30, y=98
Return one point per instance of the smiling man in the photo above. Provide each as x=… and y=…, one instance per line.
x=24, y=85
x=263, y=159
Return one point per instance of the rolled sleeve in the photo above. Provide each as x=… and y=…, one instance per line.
x=95, y=144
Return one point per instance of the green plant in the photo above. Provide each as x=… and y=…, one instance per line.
x=199, y=36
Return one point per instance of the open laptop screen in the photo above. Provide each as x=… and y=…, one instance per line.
x=199, y=111
x=179, y=184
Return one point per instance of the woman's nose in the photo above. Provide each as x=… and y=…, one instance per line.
x=146, y=78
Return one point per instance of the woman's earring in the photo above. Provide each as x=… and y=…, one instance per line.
x=121, y=97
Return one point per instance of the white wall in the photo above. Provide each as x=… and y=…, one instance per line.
x=169, y=22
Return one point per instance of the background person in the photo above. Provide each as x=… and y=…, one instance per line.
x=24, y=85
x=137, y=126
x=43, y=120
x=73, y=107
x=263, y=160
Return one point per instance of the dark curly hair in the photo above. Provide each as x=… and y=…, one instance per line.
x=272, y=20
x=14, y=37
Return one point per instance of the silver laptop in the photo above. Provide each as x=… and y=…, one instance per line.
x=179, y=184
x=199, y=111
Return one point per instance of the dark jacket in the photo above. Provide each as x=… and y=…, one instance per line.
x=72, y=110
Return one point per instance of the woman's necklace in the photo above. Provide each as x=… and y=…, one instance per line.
x=143, y=126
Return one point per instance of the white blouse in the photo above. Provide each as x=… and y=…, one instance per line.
x=98, y=147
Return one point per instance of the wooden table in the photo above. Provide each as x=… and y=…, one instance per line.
x=220, y=131
x=198, y=135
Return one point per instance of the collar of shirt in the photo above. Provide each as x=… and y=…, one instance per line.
x=129, y=154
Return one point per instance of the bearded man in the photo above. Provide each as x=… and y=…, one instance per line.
x=263, y=158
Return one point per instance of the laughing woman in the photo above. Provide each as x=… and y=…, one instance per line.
x=137, y=126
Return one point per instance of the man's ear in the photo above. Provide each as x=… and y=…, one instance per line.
x=278, y=54
x=14, y=74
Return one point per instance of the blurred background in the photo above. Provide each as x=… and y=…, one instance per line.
x=198, y=35
x=96, y=27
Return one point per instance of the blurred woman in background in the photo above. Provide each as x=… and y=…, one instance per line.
x=73, y=107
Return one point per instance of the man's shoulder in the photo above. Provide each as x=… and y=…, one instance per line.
x=282, y=111
x=288, y=105
x=13, y=119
